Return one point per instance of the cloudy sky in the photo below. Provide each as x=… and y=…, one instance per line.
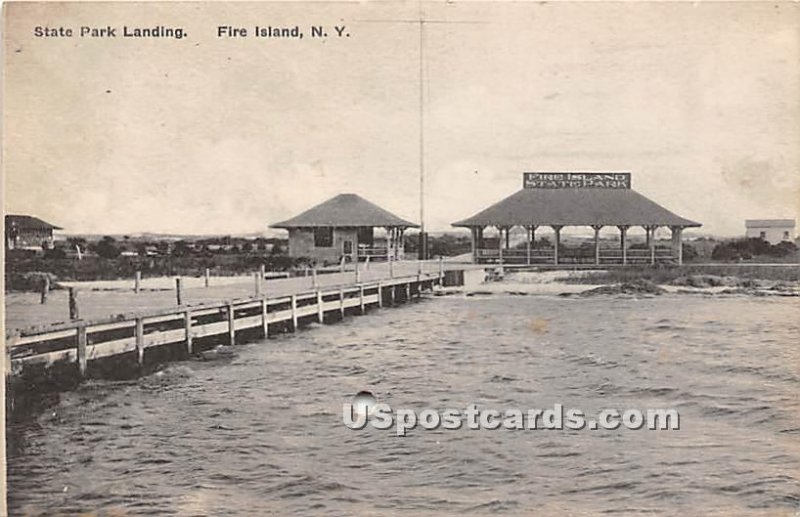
x=219, y=135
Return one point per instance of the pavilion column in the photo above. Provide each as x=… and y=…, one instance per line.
x=500, y=244
x=677, y=243
x=597, y=229
x=508, y=231
x=557, y=245
x=473, y=232
x=651, y=242
x=623, y=243
x=528, y=231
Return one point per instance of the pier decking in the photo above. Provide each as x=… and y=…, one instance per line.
x=284, y=306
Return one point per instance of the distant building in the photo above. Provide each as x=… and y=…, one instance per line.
x=28, y=232
x=773, y=231
x=343, y=227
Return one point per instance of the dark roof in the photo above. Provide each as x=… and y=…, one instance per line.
x=28, y=222
x=344, y=210
x=576, y=207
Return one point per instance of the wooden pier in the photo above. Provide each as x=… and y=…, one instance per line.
x=74, y=346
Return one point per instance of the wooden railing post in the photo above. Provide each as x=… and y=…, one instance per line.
x=139, y=333
x=391, y=269
x=231, y=325
x=264, y=322
x=313, y=278
x=74, y=311
x=45, y=288
x=82, y=351
x=179, y=290
x=187, y=321
x=294, y=313
x=257, y=278
x=320, y=308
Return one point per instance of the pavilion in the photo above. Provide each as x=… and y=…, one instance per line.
x=343, y=228
x=562, y=199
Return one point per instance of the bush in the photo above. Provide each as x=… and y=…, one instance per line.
x=745, y=249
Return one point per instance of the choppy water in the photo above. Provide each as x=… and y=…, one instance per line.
x=262, y=433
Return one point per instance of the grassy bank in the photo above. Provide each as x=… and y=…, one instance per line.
x=686, y=275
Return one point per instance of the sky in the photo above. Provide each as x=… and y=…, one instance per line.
x=208, y=135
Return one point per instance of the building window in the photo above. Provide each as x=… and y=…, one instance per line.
x=323, y=237
x=762, y=235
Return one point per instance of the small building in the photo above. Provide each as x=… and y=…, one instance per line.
x=28, y=232
x=774, y=231
x=562, y=199
x=343, y=227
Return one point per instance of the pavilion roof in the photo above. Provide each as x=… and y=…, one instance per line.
x=345, y=210
x=576, y=207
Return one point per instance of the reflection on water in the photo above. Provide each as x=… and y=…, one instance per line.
x=261, y=433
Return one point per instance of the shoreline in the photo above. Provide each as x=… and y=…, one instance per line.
x=585, y=283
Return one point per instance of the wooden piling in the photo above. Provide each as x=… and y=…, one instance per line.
x=264, y=322
x=408, y=291
x=207, y=276
x=139, y=333
x=361, y=299
x=358, y=274
x=391, y=294
x=231, y=325
x=294, y=313
x=187, y=322
x=137, y=282
x=74, y=310
x=320, y=308
x=391, y=269
x=82, y=351
x=179, y=291
x=341, y=301
x=380, y=295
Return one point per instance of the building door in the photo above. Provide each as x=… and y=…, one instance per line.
x=347, y=249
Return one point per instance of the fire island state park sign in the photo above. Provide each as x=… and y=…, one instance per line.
x=618, y=180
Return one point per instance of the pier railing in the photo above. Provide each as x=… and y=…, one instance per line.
x=579, y=256
x=82, y=341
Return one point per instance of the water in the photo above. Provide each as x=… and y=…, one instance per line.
x=262, y=433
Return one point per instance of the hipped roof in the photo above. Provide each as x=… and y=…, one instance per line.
x=576, y=207
x=345, y=210
x=28, y=222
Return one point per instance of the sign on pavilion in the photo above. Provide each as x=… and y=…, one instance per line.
x=576, y=180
